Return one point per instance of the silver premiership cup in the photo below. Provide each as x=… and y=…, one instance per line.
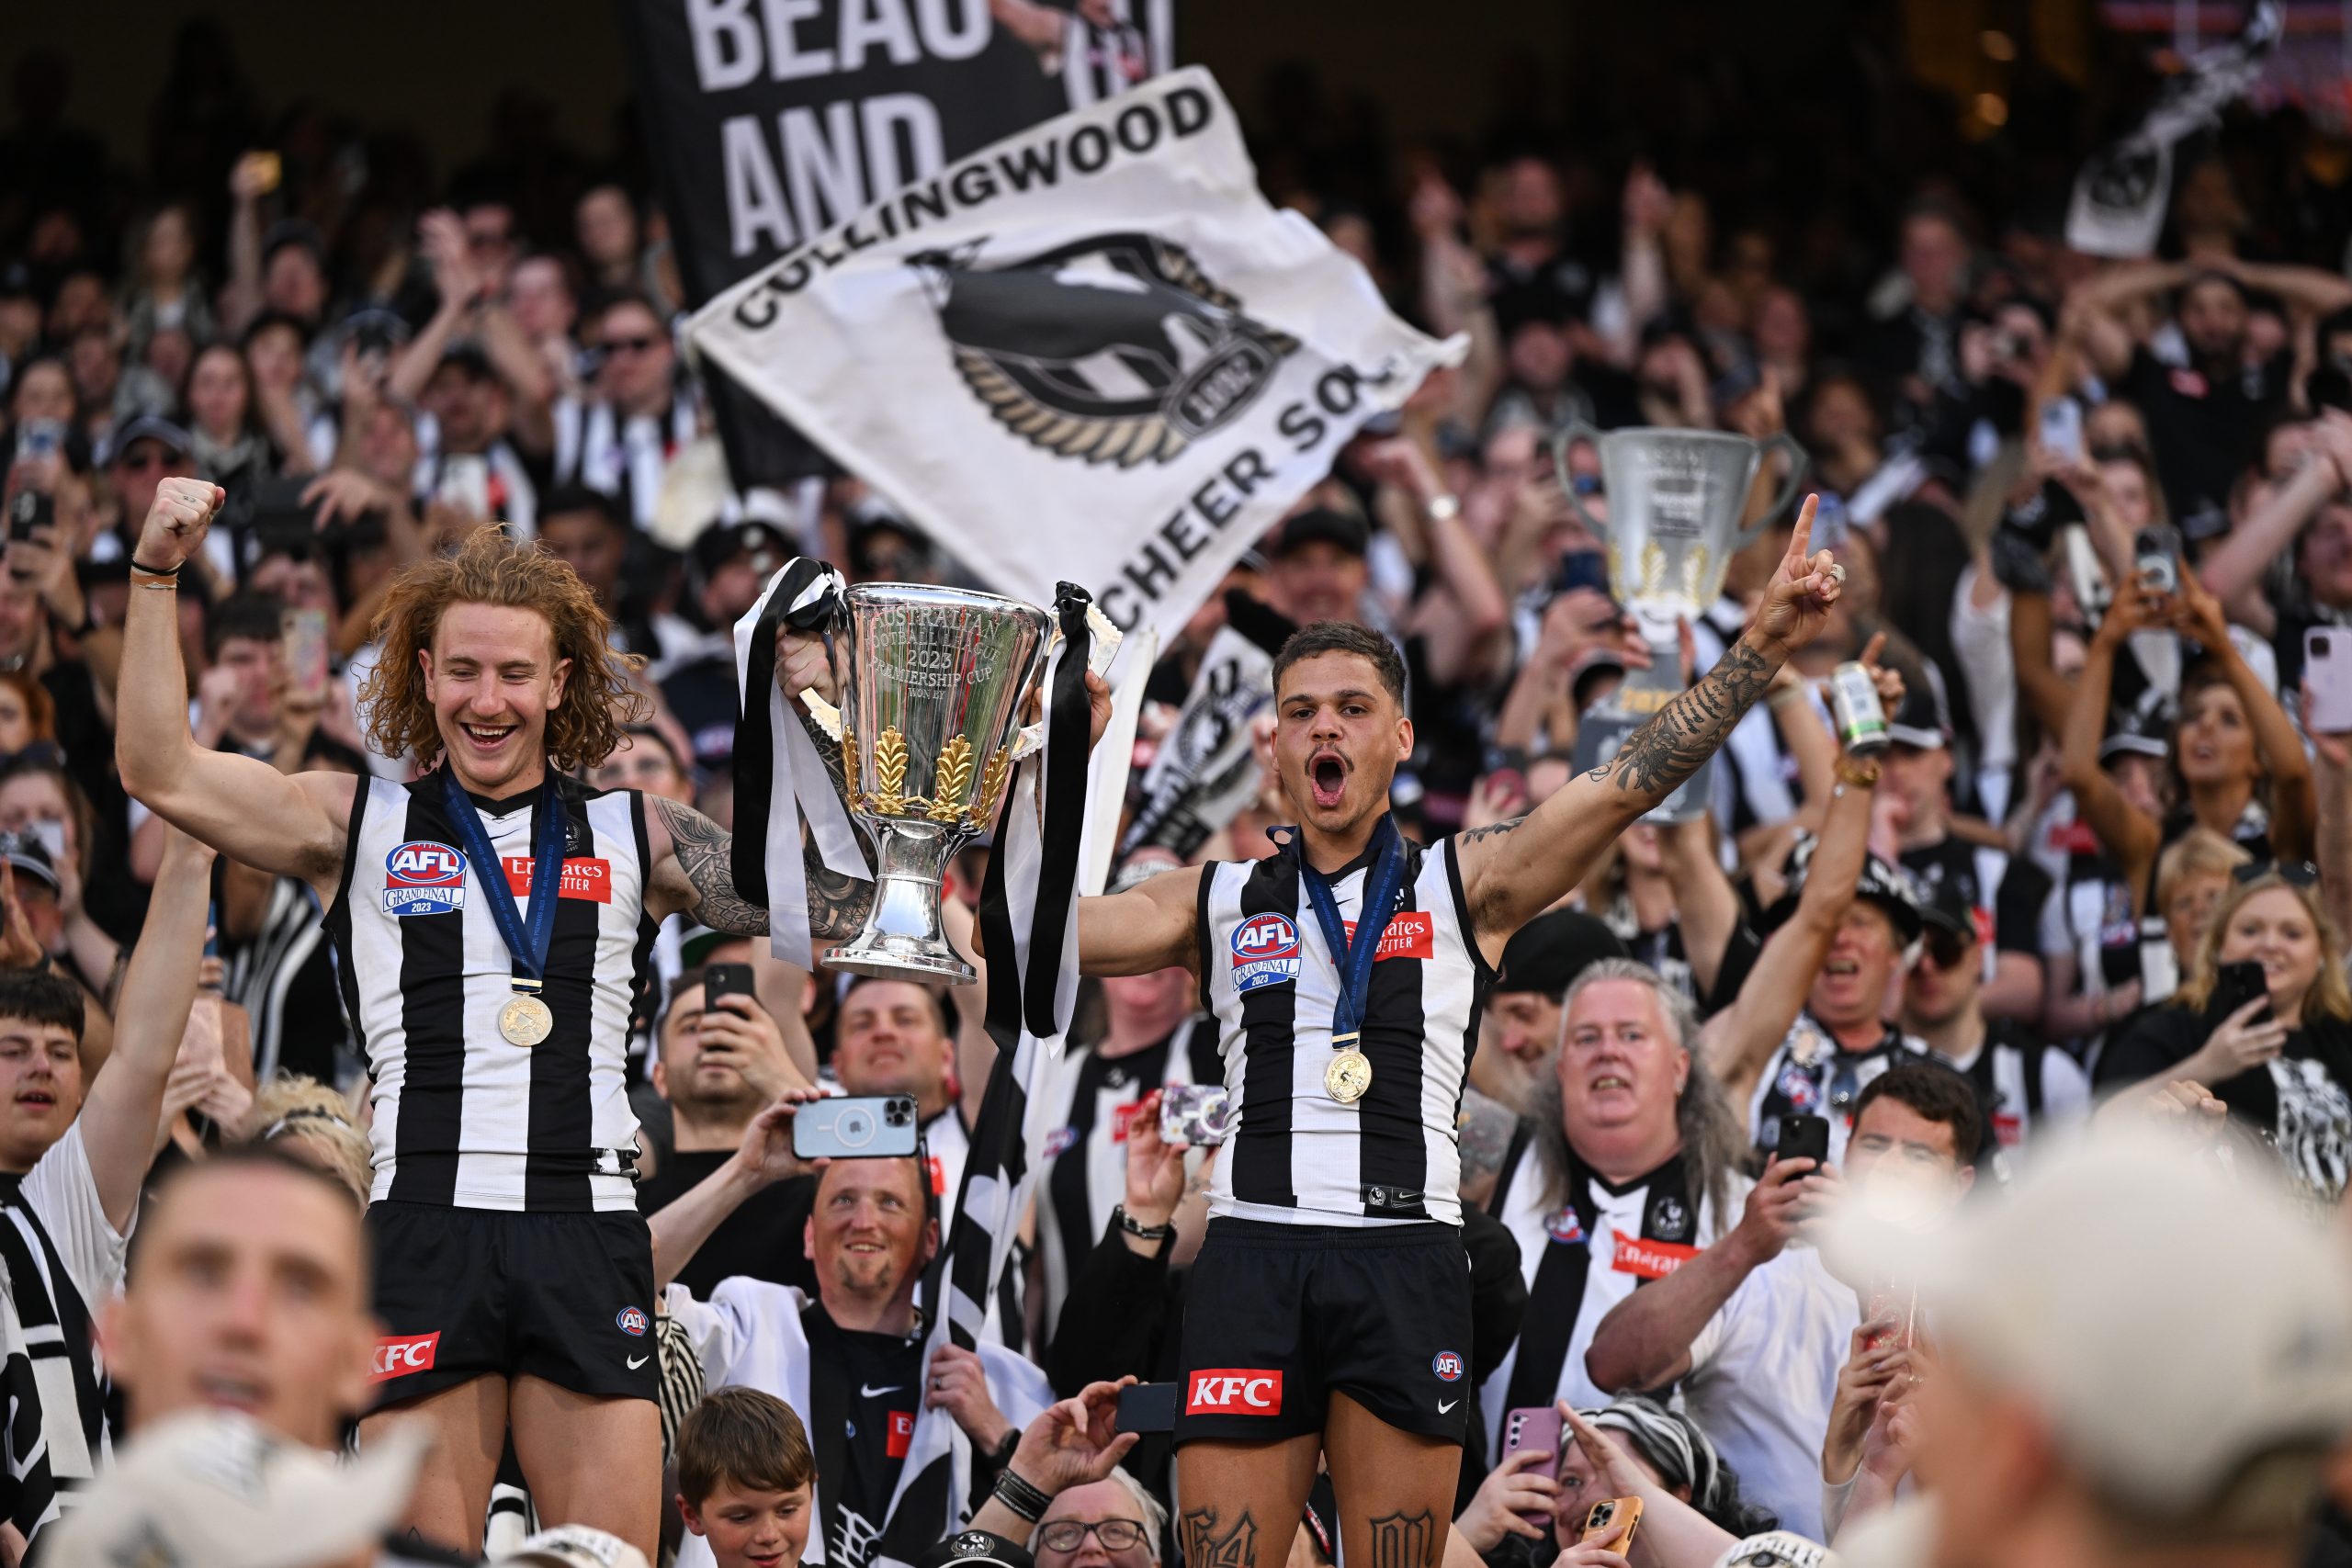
x=934, y=687
x=1676, y=501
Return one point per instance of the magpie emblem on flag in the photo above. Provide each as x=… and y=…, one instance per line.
x=1112, y=349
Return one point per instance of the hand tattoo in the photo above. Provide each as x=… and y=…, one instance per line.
x=1690, y=729
x=1400, y=1541
x=1237, y=1548
x=705, y=852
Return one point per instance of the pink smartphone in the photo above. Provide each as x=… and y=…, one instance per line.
x=1534, y=1426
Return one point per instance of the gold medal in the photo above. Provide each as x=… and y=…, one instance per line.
x=1348, y=1076
x=524, y=1020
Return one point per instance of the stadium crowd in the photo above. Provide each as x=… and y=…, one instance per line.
x=2095, y=520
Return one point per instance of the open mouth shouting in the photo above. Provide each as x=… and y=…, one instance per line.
x=1327, y=778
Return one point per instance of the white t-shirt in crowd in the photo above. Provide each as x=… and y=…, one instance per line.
x=1763, y=1375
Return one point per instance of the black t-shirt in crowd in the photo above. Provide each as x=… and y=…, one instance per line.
x=765, y=1238
x=2300, y=1100
x=2203, y=430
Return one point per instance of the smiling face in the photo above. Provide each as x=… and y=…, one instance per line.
x=2188, y=910
x=493, y=678
x=1621, y=1071
x=750, y=1527
x=1523, y=1025
x=868, y=1234
x=1581, y=1487
x=889, y=1040
x=2215, y=745
x=250, y=1294
x=1339, y=737
x=1864, y=959
x=40, y=1088
x=2275, y=928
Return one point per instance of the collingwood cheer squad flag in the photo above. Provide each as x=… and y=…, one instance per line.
x=1091, y=352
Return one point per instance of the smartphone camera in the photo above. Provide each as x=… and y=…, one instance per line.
x=898, y=1112
x=2319, y=644
x=1601, y=1515
x=854, y=1129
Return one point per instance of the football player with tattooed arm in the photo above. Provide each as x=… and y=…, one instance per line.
x=492, y=917
x=1341, y=1318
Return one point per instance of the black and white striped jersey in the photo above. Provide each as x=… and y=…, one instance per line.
x=1295, y=1154
x=463, y=1118
x=1810, y=1073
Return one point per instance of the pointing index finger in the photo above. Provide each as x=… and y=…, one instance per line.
x=1801, y=537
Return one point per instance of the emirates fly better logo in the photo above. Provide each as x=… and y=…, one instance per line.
x=1112, y=349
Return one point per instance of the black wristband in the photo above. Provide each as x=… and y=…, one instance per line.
x=1137, y=1228
x=1021, y=1496
x=155, y=570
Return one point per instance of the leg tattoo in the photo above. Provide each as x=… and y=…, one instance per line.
x=1405, y=1541
x=1237, y=1548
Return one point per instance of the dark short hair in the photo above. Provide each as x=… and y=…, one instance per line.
x=686, y=981
x=242, y=1156
x=257, y=618
x=1935, y=1092
x=42, y=996
x=1343, y=637
x=742, y=1436
x=565, y=500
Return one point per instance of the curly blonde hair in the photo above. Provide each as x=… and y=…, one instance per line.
x=296, y=1106
x=490, y=569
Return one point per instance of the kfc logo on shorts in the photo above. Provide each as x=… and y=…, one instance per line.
x=398, y=1358
x=1447, y=1366
x=424, y=877
x=631, y=1323
x=902, y=1435
x=1265, y=952
x=1226, y=1391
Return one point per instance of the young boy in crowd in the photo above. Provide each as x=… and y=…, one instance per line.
x=747, y=1481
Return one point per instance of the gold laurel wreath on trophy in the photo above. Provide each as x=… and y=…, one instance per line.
x=1653, y=568
x=890, y=772
x=992, y=779
x=953, y=777
x=951, y=798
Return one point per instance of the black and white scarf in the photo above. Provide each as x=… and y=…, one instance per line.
x=49, y=1367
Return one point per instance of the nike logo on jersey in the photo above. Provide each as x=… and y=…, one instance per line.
x=1446, y=1405
x=866, y=1392
x=636, y=1361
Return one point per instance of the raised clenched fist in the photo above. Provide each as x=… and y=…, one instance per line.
x=175, y=527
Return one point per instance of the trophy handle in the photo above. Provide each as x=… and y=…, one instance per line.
x=1798, y=466
x=1577, y=430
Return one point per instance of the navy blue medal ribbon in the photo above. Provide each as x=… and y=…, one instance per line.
x=529, y=943
x=1354, y=959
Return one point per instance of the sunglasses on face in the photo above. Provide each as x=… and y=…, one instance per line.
x=1945, y=949
x=2295, y=874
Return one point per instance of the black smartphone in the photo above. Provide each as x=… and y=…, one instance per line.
x=1148, y=1408
x=2234, y=985
x=33, y=511
x=1584, y=568
x=1803, y=1137
x=724, y=980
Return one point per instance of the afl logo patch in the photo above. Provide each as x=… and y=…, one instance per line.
x=423, y=877
x=631, y=1322
x=1447, y=1366
x=1796, y=1086
x=1265, y=952
x=1565, y=1226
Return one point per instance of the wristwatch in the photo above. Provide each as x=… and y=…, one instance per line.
x=1444, y=508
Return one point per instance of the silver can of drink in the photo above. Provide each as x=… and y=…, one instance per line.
x=1855, y=707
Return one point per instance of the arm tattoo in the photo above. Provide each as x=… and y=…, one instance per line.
x=1688, y=730
x=1203, y=1548
x=1402, y=1540
x=837, y=904
x=1492, y=830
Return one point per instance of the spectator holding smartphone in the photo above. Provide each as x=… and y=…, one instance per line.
x=2281, y=1062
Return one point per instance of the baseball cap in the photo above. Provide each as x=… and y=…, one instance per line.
x=1916, y=723
x=149, y=427
x=1320, y=523
x=979, y=1548
x=571, y=1546
x=1549, y=951
x=2068, y=1289
x=1778, y=1548
x=1888, y=887
x=722, y=542
x=28, y=854
x=2140, y=733
x=214, y=1489
x=1943, y=905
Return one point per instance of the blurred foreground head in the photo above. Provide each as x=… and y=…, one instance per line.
x=2141, y=1352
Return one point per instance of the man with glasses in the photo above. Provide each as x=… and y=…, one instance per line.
x=2022, y=1081
x=145, y=452
x=1110, y=1523
x=621, y=439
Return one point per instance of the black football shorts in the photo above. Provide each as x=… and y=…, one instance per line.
x=465, y=1293
x=1276, y=1317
